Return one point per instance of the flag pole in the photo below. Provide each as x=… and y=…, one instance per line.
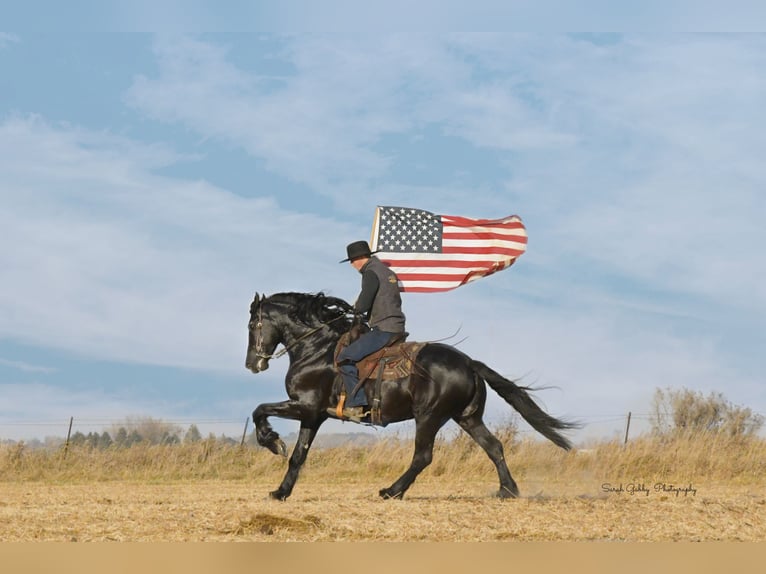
x=374, y=234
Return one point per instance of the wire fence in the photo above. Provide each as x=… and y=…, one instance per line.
x=33, y=431
x=625, y=425
x=42, y=428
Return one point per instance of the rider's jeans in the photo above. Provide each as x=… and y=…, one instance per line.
x=372, y=341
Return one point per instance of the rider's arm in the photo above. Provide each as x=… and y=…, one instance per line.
x=370, y=285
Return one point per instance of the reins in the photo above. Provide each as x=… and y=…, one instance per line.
x=259, y=338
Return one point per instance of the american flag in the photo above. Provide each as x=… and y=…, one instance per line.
x=431, y=253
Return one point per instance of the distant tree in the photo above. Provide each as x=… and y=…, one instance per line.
x=192, y=434
x=34, y=443
x=170, y=438
x=105, y=440
x=227, y=440
x=121, y=437
x=77, y=439
x=133, y=438
x=676, y=411
x=154, y=431
x=53, y=442
x=92, y=439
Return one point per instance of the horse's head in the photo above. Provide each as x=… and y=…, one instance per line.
x=303, y=322
x=263, y=336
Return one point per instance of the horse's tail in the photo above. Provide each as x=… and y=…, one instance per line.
x=520, y=400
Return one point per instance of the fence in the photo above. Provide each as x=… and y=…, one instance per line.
x=593, y=427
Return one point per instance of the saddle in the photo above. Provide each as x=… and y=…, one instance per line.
x=391, y=363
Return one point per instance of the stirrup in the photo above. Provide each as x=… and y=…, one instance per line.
x=339, y=407
x=355, y=413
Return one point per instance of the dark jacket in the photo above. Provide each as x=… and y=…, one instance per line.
x=380, y=299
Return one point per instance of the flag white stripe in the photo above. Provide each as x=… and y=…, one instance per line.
x=471, y=230
x=440, y=270
x=504, y=244
x=446, y=257
x=410, y=285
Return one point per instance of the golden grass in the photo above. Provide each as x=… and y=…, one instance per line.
x=210, y=491
x=740, y=460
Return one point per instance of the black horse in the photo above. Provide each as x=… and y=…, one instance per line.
x=446, y=384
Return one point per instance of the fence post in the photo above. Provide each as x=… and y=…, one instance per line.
x=68, y=434
x=627, y=429
x=244, y=432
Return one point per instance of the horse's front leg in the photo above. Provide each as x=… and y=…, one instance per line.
x=265, y=434
x=269, y=438
x=305, y=438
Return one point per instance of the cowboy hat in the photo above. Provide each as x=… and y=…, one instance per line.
x=356, y=250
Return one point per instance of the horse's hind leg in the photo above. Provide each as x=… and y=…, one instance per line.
x=476, y=428
x=425, y=434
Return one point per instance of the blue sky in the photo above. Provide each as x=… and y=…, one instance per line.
x=152, y=183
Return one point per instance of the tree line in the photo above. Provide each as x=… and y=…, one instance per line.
x=145, y=431
x=124, y=438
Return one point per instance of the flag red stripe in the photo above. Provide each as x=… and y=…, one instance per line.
x=410, y=289
x=483, y=250
x=457, y=263
x=508, y=223
x=485, y=235
x=405, y=277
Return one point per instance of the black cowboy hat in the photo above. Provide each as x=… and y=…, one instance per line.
x=356, y=250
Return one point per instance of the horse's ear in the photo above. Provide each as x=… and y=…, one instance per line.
x=255, y=299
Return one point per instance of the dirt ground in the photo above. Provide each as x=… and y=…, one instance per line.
x=433, y=510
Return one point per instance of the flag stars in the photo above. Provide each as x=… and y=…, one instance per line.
x=404, y=230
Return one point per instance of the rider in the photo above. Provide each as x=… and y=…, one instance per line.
x=381, y=304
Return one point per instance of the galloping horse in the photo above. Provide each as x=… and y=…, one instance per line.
x=446, y=384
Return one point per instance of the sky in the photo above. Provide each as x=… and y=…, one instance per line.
x=150, y=184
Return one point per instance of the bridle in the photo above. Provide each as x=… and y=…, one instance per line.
x=259, y=336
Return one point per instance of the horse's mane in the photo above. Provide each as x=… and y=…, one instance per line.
x=312, y=308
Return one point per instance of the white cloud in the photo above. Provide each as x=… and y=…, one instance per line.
x=6, y=39
x=635, y=165
x=313, y=130
x=26, y=367
x=637, y=154
x=105, y=258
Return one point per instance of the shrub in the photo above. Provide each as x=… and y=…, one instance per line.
x=682, y=411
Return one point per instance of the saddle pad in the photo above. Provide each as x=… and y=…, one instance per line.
x=398, y=360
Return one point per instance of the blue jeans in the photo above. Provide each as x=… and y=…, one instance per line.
x=367, y=344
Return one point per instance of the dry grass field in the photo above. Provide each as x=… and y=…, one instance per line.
x=691, y=489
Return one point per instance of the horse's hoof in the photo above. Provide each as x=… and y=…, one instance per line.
x=388, y=494
x=506, y=492
x=281, y=448
x=277, y=446
x=278, y=495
